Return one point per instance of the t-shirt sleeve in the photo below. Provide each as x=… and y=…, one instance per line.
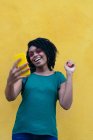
x=61, y=79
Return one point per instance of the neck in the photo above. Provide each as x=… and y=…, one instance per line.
x=44, y=69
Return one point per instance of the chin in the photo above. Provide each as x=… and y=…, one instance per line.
x=40, y=65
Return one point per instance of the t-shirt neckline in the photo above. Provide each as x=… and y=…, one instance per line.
x=44, y=75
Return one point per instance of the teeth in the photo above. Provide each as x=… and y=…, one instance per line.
x=37, y=59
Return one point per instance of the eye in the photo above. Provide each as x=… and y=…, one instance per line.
x=31, y=54
x=38, y=51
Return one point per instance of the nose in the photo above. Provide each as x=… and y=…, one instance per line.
x=35, y=54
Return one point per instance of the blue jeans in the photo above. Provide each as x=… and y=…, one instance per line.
x=28, y=136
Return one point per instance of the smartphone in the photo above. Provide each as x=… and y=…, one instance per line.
x=22, y=62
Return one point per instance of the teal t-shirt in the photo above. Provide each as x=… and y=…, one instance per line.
x=37, y=111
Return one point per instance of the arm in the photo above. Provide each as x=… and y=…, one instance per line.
x=12, y=90
x=66, y=89
x=14, y=81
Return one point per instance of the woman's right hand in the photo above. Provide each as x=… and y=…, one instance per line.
x=16, y=72
x=14, y=81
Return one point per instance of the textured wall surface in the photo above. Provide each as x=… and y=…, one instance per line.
x=67, y=23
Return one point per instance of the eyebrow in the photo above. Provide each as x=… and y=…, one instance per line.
x=35, y=49
x=32, y=50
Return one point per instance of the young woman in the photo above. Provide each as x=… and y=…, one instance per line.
x=36, y=115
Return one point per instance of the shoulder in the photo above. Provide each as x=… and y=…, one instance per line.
x=60, y=76
x=24, y=80
x=59, y=73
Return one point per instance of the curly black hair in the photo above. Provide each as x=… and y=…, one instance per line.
x=49, y=49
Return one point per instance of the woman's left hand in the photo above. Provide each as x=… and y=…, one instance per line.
x=69, y=66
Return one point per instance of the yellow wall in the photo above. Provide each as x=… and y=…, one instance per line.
x=69, y=24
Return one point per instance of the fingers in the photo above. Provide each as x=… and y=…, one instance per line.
x=16, y=63
x=15, y=67
x=17, y=72
x=70, y=62
x=70, y=69
x=21, y=72
x=15, y=76
x=69, y=66
x=22, y=67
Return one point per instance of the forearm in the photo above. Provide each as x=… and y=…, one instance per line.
x=13, y=89
x=68, y=93
x=9, y=92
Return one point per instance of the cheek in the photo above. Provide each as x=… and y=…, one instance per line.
x=44, y=56
x=45, y=59
x=31, y=59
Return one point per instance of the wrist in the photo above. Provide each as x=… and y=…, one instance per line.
x=69, y=73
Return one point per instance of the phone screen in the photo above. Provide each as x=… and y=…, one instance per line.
x=23, y=61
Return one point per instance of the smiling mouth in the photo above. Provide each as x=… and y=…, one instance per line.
x=37, y=59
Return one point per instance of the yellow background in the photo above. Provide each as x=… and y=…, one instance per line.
x=69, y=25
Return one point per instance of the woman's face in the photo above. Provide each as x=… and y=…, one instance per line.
x=37, y=56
